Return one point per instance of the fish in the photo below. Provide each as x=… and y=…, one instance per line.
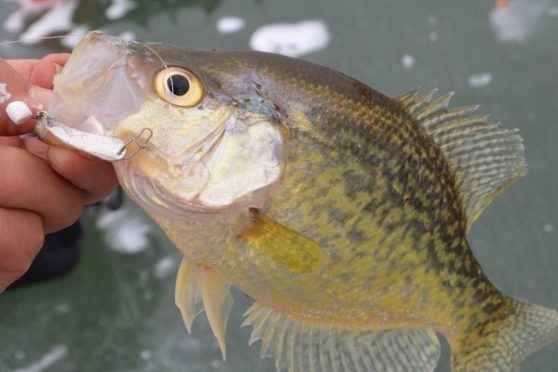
x=341, y=212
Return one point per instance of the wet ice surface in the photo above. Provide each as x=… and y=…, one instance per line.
x=116, y=310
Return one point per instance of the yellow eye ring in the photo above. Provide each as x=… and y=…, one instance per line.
x=178, y=86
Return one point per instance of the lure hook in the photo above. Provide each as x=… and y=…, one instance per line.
x=135, y=140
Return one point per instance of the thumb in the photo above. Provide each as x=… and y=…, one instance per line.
x=13, y=87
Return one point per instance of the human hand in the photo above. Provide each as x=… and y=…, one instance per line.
x=42, y=188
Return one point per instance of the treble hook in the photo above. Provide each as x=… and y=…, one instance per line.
x=140, y=145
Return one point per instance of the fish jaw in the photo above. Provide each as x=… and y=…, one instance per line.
x=96, y=85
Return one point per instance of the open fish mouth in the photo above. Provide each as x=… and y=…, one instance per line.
x=95, y=89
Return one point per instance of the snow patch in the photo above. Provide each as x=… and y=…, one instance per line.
x=74, y=36
x=4, y=94
x=514, y=23
x=230, y=24
x=408, y=61
x=47, y=360
x=57, y=19
x=480, y=80
x=291, y=39
x=127, y=35
x=165, y=267
x=125, y=231
x=119, y=8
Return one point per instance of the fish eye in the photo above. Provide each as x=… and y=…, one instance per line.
x=178, y=86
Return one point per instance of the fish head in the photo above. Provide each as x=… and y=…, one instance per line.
x=197, y=142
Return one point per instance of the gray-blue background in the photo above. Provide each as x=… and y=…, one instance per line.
x=115, y=312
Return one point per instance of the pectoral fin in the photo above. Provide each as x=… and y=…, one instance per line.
x=299, y=253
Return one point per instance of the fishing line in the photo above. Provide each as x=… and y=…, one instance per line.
x=21, y=41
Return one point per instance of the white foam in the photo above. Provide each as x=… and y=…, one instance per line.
x=119, y=8
x=408, y=61
x=4, y=94
x=480, y=80
x=514, y=23
x=291, y=39
x=47, y=360
x=125, y=231
x=230, y=24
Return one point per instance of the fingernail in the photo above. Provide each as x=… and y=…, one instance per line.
x=18, y=112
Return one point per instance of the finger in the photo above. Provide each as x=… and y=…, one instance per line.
x=29, y=81
x=21, y=238
x=43, y=71
x=95, y=177
x=11, y=141
x=14, y=88
x=28, y=182
x=40, y=72
x=33, y=145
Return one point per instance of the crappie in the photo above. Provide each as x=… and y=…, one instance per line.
x=343, y=213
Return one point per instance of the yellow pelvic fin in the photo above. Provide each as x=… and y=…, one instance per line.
x=217, y=301
x=296, y=251
x=484, y=157
x=187, y=295
x=198, y=287
x=304, y=347
x=515, y=331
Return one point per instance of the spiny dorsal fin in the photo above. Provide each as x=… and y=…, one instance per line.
x=485, y=158
x=198, y=287
x=301, y=347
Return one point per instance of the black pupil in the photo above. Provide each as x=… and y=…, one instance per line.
x=178, y=85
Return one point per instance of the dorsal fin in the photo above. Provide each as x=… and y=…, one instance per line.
x=484, y=157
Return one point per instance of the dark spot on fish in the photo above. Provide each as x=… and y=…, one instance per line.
x=356, y=236
x=256, y=84
x=490, y=308
x=408, y=279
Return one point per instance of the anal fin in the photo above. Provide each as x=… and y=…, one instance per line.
x=300, y=346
